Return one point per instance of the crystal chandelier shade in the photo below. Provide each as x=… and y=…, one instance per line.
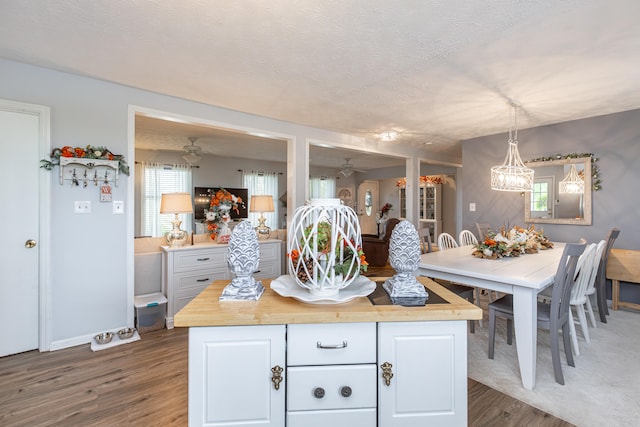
x=512, y=175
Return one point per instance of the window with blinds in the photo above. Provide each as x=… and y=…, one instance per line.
x=156, y=180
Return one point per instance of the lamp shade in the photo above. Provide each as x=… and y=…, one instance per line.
x=176, y=203
x=261, y=204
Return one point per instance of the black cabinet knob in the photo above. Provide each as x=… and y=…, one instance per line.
x=318, y=392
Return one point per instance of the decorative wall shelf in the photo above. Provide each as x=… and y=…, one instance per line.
x=81, y=171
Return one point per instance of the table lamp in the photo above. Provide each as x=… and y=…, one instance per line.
x=176, y=203
x=262, y=204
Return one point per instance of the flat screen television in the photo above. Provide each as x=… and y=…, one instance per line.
x=202, y=200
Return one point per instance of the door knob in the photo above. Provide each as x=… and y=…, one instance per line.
x=30, y=244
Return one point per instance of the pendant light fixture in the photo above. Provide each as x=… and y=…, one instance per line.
x=572, y=183
x=512, y=175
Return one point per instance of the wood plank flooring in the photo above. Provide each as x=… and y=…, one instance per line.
x=144, y=383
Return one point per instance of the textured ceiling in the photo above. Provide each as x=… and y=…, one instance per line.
x=437, y=72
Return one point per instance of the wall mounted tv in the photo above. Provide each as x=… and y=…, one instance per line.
x=202, y=199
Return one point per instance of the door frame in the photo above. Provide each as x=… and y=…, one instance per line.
x=44, y=210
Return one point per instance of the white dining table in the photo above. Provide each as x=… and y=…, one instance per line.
x=523, y=277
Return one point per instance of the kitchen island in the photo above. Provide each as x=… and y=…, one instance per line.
x=279, y=361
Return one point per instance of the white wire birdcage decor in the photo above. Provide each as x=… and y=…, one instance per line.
x=572, y=183
x=512, y=175
x=324, y=245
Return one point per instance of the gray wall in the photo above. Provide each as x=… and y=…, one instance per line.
x=91, y=272
x=615, y=141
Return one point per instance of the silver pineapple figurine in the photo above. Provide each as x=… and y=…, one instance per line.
x=404, y=256
x=243, y=258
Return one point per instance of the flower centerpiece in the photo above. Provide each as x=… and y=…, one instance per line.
x=384, y=210
x=218, y=216
x=325, y=247
x=88, y=152
x=512, y=243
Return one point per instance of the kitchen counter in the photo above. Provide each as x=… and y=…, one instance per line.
x=273, y=309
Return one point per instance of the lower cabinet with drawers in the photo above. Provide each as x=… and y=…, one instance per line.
x=329, y=374
x=188, y=270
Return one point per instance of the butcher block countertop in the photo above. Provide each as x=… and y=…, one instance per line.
x=273, y=309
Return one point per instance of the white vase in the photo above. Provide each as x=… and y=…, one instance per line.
x=315, y=266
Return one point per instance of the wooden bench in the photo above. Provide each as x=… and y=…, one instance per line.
x=623, y=266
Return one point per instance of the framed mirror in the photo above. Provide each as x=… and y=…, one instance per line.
x=551, y=202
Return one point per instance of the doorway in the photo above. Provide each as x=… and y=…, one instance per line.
x=368, y=202
x=24, y=128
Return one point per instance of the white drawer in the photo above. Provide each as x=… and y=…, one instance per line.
x=199, y=279
x=331, y=343
x=202, y=259
x=269, y=251
x=267, y=270
x=331, y=387
x=338, y=418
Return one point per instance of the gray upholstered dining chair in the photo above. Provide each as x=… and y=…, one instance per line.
x=462, y=291
x=601, y=280
x=552, y=317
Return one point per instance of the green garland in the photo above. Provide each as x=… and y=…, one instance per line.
x=595, y=172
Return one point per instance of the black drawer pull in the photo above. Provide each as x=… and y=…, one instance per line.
x=206, y=279
x=318, y=392
x=331, y=346
x=203, y=259
x=345, y=391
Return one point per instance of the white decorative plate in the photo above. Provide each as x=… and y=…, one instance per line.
x=286, y=286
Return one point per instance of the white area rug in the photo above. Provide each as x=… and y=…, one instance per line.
x=602, y=390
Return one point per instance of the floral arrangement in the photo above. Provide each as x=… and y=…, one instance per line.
x=515, y=242
x=344, y=253
x=386, y=208
x=88, y=152
x=425, y=180
x=222, y=202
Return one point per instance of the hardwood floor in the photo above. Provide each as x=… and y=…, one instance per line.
x=144, y=383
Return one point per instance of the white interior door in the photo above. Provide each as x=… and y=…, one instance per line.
x=368, y=206
x=19, y=259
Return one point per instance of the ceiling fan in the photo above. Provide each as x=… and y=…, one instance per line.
x=348, y=169
x=192, y=152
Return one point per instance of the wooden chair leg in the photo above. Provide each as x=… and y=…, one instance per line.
x=567, y=345
x=603, y=310
x=572, y=332
x=582, y=318
x=492, y=332
x=591, y=315
x=555, y=355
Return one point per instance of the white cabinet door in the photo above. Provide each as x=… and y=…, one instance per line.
x=231, y=382
x=429, y=382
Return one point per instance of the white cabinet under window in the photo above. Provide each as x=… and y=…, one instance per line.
x=429, y=207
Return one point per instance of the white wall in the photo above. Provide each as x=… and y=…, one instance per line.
x=92, y=255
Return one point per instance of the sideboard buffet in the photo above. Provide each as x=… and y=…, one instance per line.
x=282, y=362
x=188, y=270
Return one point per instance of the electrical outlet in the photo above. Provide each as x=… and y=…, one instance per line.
x=82, y=207
x=472, y=207
x=118, y=207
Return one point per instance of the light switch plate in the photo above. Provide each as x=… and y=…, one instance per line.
x=118, y=207
x=82, y=207
x=472, y=207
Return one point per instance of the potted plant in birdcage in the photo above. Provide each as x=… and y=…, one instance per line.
x=324, y=247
